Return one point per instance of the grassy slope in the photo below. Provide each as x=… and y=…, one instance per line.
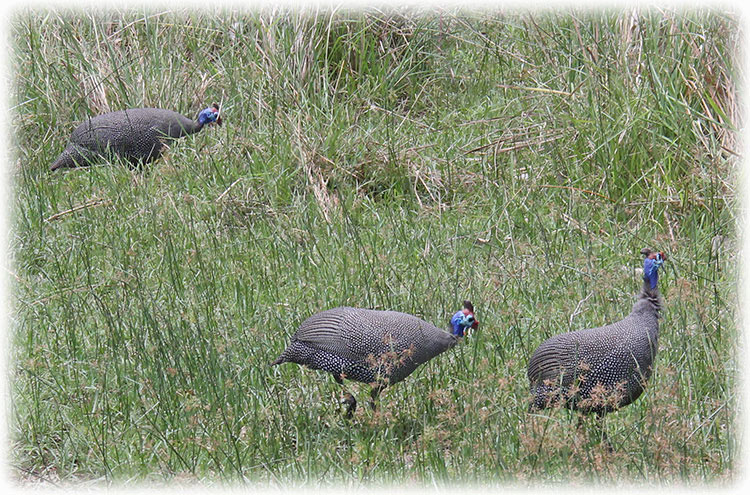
x=398, y=161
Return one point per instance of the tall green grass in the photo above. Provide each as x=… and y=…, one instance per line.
x=403, y=160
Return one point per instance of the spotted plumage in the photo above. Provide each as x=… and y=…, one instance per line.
x=137, y=135
x=599, y=370
x=375, y=347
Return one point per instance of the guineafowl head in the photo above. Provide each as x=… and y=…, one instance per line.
x=464, y=320
x=210, y=115
x=651, y=265
x=469, y=321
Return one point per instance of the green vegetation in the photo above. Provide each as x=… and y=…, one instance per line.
x=400, y=160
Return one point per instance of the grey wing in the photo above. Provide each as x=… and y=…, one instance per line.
x=325, y=331
x=569, y=355
x=551, y=361
x=359, y=334
x=96, y=134
x=115, y=130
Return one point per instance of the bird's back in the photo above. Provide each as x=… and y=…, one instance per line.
x=134, y=134
x=388, y=343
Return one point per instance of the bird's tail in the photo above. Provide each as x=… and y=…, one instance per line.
x=72, y=156
x=63, y=161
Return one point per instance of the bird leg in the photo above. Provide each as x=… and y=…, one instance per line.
x=374, y=394
x=347, y=399
x=604, y=437
x=351, y=404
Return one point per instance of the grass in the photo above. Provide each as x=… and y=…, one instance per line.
x=405, y=160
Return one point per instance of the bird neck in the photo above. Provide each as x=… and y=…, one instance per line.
x=650, y=295
x=196, y=126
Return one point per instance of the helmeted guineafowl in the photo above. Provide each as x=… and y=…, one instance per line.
x=379, y=348
x=136, y=135
x=599, y=370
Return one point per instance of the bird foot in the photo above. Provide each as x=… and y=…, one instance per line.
x=374, y=395
x=351, y=404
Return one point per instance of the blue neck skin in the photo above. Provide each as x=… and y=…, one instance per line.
x=651, y=270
